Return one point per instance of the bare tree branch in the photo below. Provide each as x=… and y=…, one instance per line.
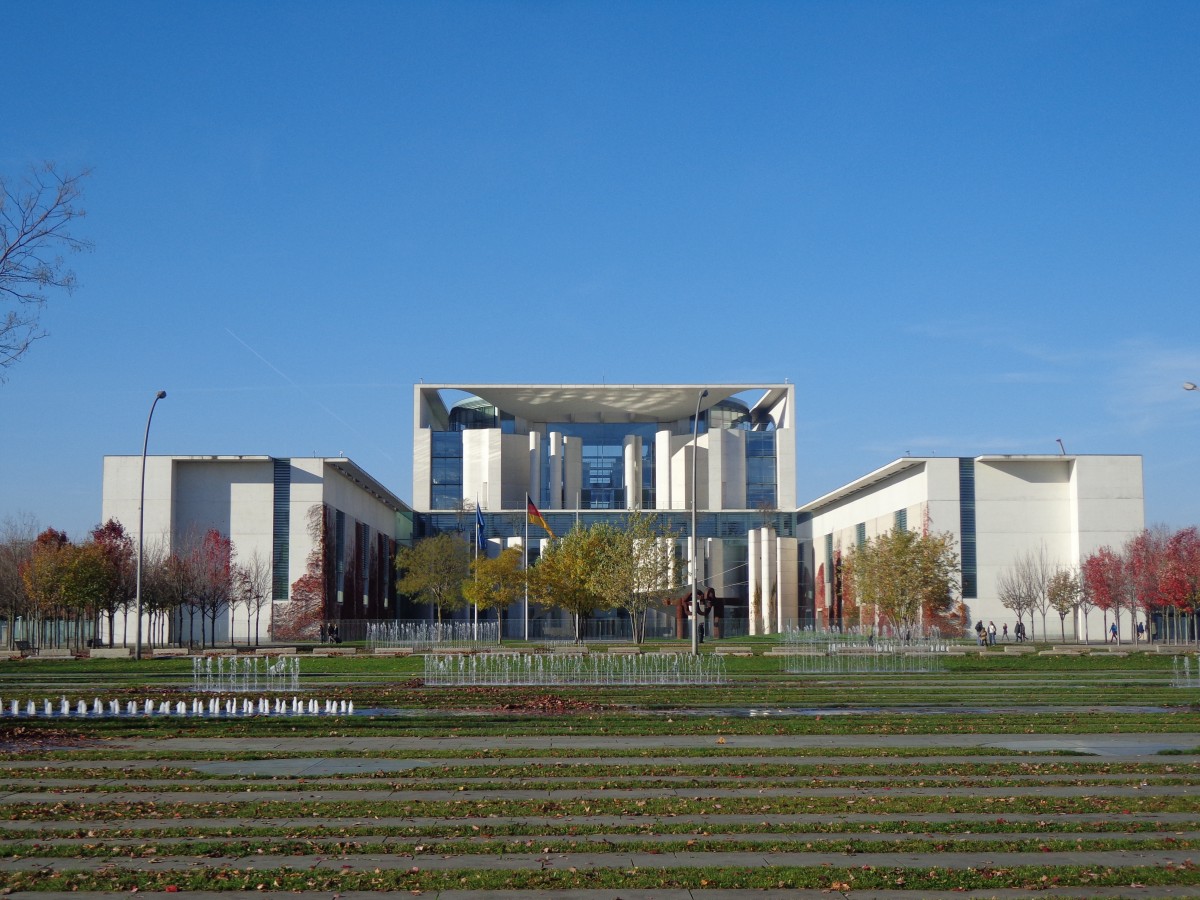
x=37, y=212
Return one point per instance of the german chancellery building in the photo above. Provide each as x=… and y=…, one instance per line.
x=586, y=453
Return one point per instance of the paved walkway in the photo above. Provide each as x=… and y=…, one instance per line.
x=51, y=790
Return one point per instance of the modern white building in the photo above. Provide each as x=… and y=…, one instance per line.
x=320, y=517
x=593, y=452
x=998, y=508
x=590, y=453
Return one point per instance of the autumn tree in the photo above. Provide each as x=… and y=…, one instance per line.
x=16, y=546
x=563, y=575
x=1179, y=578
x=496, y=582
x=37, y=214
x=252, y=589
x=907, y=577
x=301, y=617
x=635, y=566
x=116, y=547
x=1063, y=592
x=1015, y=593
x=433, y=570
x=214, y=578
x=1107, y=580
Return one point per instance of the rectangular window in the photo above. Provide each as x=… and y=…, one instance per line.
x=760, y=469
x=281, y=528
x=860, y=534
x=966, y=521
x=901, y=520
x=446, y=469
x=339, y=553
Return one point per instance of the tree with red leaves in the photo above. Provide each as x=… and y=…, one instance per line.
x=1179, y=577
x=1146, y=557
x=214, y=578
x=116, y=548
x=1108, y=582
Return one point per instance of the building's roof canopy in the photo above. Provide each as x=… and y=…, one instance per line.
x=604, y=402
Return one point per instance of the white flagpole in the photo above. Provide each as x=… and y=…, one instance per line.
x=525, y=548
x=475, y=622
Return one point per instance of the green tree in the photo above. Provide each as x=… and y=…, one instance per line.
x=564, y=575
x=635, y=568
x=1063, y=592
x=496, y=582
x=433, y=570
x=907, y=577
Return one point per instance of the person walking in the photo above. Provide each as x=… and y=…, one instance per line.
x=1004, y=634
x=991, y=633
x=1112, y=633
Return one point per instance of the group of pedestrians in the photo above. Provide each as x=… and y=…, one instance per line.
x=987, y=635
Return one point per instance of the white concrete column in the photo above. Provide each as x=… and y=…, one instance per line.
x=535, y=468
x=787, y=571
x=572, y=472
x=716, y=566
x=662, y=470
x=769, y=580
x=554, y=501
x=633, y=471
x=754, y=572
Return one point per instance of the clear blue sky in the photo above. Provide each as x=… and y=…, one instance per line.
x=960, y=228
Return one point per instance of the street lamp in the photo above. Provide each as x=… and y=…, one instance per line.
x=695, y=466
x=137, y=653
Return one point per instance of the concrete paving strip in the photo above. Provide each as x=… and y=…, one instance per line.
x=584, y=841
x=689, y=792
x=270, y=784
x=1133, y=746
x=615, y=860
x=308, y=766
x=334, y=825
x=1123, y=891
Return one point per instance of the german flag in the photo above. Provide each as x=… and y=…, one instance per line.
x=535, y=517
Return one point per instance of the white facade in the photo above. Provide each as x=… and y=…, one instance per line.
x=588, y=450
x=1069, y=505
x=262, y=504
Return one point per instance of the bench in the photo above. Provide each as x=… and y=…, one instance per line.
x=25, y=647
x=109, y=653
x=170, y=651
x=220, y=651
x=274, y=651
x=333, y=651
x=56, y=653
x=393, y=651
x=633, y=651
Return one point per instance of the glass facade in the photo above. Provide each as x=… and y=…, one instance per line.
x=603, y=454
x=760, y=469
x=966, y=513
x=281, y=528
x=446, y=469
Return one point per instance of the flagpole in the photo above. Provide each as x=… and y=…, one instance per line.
x=475, y=622
x=525, y=548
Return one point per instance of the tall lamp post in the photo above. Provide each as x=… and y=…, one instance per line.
x=137, y=653
x=695, y=543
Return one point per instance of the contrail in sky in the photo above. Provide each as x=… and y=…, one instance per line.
x=288, y=378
